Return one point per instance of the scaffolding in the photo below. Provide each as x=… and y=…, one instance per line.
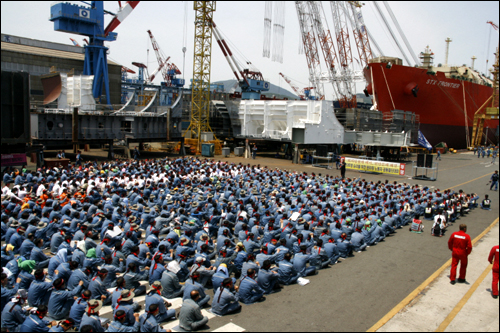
x=490, y=112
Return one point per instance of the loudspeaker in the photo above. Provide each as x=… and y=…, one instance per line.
x=420, y=160
x=428, y=160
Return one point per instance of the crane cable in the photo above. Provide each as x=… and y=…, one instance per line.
x=278, y=31
x=266, y=52
x=184, y=38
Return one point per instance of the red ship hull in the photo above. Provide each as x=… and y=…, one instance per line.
x=443, y=104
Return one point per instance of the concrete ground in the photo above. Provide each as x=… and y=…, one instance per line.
x=441, y=306
x=397, y=281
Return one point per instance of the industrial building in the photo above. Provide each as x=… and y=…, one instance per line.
x=40, y=58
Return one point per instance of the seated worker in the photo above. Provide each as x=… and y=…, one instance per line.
x=154, y=297
x=287, y=273
x=300, y=262
x=226, y=298
x=249, y=291
x=171, y=287
x=268, y=278
x=486, y=203
x=193, y=284
x=148, y=320
x=190, y=317
x=438, y=228
x=119, y=325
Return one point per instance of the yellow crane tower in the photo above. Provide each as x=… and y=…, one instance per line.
x=200, y=98
x=491, y=112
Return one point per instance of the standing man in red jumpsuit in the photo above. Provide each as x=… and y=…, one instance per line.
x=493, y=259
x=461, y=246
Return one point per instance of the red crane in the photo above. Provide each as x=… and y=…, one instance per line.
x=302, y=93
x=168, y=70
x=123, y=12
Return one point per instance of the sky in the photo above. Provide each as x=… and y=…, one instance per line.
x=242, y=23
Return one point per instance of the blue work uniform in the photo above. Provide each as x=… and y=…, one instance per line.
x=171, y=287
x=164, y=314
x=287, y=273
x=77, y=310
x=267, y=279
x=7, y=294
x=225, y=302
x=249, y=291
x=33, y=323
x=13, y=316
x=39, y=293
x=300, y=264
x=116, y=326
x=93, y=320
x=60, y=302
x=193, y=285
x=148, y=323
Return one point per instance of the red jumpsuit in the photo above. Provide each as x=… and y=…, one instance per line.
x=461, y=246
x=493, y=259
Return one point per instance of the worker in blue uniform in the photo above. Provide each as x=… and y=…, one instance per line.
x=249, y=291
x=358, y=241
x=300, y=262
x=148, y=322
x=35, y=322
x=13, y=315
x=332, y=251
x=268, y=279
x=61, y=300
x=287, y=273
x=320, y=258
x=7, y=293
x=39, y=291
x=125, y=303
x=154, y=297
x=226, y=298
x=170, y=283
x=344, y=246
x=78, y=308
x=98, y=288
x=91, y=316
x=133, y=277
x=193, y=284
x=120, y=323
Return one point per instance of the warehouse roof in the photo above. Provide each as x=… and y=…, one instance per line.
x=45, y=52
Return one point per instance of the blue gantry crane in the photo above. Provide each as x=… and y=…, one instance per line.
x=89, y=21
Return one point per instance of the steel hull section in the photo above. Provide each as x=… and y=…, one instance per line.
x=444, y=104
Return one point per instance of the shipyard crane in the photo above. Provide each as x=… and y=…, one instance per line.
x=143, y=72
x=401, y=33
x=89, y=21
x=75, y=43
x=252, y=82
x=382, y=16
x=304, y=94
x=168, y=70
x=346, y=75
x=152, y=76
x=326, y=42
x=363, y=37
x=200, y=95
x=310, y=48
x=360, y=32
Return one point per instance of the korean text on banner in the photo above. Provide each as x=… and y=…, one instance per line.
x=376, y=166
